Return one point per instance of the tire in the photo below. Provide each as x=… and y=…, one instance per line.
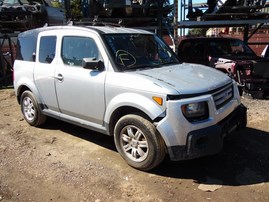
x=266, y=94
x=30, y=109
x=257, y=94
x=138, y=142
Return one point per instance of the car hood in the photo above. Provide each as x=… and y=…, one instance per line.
x=188, y=78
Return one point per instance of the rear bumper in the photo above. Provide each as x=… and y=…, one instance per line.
x=209, y=141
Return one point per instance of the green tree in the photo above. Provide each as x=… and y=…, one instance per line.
x=197, y=31
x=76, y=10
x=56, y=4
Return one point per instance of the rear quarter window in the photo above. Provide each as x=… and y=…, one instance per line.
x=26, y=47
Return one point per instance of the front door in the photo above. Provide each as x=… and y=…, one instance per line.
x=80, y=91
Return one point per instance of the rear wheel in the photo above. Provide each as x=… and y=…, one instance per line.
x=30, y=109
x=138, y=142
x=266, y=94
x=257, y=95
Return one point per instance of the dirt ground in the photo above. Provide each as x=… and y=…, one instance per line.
x=62, y=162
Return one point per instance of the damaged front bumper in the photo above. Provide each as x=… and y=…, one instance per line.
x=209, y=141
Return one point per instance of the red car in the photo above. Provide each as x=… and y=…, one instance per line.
x=231, y=56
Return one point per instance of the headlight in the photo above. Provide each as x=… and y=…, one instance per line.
x=195, y=111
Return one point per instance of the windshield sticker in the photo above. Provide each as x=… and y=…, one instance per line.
x=125, y=58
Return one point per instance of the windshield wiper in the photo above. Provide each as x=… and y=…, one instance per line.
x=142, y=66
x=169, y=63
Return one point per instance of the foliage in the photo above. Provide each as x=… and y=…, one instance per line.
x=197, y=31
x=76, y=10
x=56, y=4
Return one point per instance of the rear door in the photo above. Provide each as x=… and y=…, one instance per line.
x=45, y=68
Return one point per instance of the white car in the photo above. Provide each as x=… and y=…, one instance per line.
x=129, y=84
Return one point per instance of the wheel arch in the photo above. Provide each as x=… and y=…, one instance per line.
x=23, y=87
x=131, y=103
x=20, y=90
x=122, y=111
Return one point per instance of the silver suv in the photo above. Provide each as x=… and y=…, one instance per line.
x=129, y=84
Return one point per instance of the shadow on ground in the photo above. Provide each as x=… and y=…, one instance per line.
x=243, y=161
x=88, y=135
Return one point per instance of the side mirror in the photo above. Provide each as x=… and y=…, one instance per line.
x=93, y=63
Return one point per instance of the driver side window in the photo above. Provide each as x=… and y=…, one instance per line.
x=75, y=48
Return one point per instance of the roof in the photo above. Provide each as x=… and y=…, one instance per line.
x=99, y=29
x=118, y=30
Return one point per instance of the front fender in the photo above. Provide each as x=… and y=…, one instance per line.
x=143, y=103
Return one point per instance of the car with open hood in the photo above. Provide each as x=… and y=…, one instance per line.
x=231, y=56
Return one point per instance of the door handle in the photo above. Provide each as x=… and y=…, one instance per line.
x=59, y=77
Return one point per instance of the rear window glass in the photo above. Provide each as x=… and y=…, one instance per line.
x=47, y=49
x=26, y=47
x=229, y=47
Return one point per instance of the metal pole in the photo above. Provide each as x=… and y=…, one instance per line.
x=175, y=25
x=160, y=18
x=246, y=29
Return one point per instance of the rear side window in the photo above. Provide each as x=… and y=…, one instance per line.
x=26, y=47
x=75, y=48
x=47, y=49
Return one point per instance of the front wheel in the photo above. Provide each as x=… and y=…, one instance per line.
x=30, y=109
x=138, y=142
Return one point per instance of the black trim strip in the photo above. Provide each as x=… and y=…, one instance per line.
x=184, y=96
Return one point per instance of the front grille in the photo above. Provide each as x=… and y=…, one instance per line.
x=223, y=95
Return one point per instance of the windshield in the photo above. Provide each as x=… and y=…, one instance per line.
x=135, y=51
x=229, y=47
